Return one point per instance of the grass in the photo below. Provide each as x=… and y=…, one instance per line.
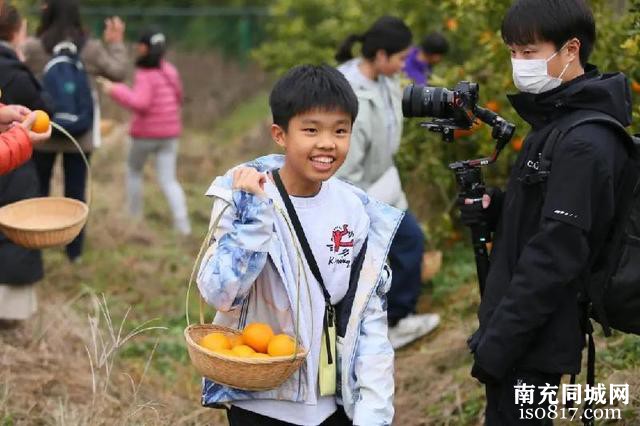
x=243, y=117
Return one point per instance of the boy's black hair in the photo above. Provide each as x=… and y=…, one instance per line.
x=435, y=43
x=306, y=88
x=556, y=21
x=156, y=43
x=388, y=33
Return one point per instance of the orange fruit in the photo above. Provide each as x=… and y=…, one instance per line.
x=215, y=341
x=257, y=335
x=493, y=106
x=460, y=133
x=635, y=86
x=236, y=340
x=42, y=123
x=260, y=356
x=226, y=352
x=243, y=351
x=517, y=143
x=281, y=345
x=451, y=24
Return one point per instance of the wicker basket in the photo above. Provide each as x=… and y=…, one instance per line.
x=39, y=223
x=252, y=374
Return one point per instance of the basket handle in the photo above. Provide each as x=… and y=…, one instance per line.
x=300, y=272
x=84, y=158
x=205, y=243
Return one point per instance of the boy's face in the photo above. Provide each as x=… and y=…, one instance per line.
x=545, y=50
x=316, y=143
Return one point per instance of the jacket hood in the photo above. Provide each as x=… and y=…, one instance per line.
x=607, y=93
x=6, y=51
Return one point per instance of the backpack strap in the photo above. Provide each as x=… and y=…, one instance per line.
x=579, y=118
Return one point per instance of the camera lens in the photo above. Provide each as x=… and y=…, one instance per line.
x=425, y=101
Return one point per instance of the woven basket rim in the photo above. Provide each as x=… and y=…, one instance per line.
x=302, y=354
x=83, y=217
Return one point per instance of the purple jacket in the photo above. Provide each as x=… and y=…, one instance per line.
x=416, y=70
x=155, y=100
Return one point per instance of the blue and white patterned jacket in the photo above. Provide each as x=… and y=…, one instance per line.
x=247, y=277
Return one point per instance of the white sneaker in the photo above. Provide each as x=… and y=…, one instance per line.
x=412, y=327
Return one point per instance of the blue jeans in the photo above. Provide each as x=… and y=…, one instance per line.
x=405, y=259
x=75, y=185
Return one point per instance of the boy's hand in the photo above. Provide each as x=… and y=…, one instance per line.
x=33, y=136
x=249, y=180
x=10, y=114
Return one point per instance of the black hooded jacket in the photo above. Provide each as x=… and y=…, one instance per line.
x=530, y=317
x=19, y=265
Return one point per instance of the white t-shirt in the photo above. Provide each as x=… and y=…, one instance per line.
x=336, y=226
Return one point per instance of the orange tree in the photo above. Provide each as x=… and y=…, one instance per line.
x=309, y=31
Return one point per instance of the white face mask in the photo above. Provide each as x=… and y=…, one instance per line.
x=531, y=76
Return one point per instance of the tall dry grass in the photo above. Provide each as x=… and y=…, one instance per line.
x=57, y=370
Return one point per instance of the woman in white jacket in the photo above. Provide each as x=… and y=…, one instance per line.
x=369, y=165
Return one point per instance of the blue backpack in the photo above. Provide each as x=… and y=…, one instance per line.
x=67, y=82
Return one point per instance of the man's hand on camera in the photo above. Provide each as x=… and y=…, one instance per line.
x=477, y=211
x=473, y=211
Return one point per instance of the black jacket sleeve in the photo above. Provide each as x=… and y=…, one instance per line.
x=579, y=188
x=556, y=256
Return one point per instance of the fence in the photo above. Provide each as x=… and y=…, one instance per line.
x=233, y=31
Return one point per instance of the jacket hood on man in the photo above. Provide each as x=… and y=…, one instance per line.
x=608, y=93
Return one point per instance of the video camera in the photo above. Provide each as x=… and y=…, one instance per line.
x=453, y=109
x=458, y=109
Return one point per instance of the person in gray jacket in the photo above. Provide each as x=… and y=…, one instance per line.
x=60, y=21
x=369, y=165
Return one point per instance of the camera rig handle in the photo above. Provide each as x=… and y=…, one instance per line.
x=472, y=186
x=502, y=130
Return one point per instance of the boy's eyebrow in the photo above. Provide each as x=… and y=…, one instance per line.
x=312, y=121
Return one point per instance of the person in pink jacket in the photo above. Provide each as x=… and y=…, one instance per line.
x=155, y=101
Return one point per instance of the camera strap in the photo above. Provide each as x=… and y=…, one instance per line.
x=327, y=367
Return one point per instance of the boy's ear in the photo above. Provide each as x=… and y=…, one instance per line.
x=278, y=135
x=573, y=49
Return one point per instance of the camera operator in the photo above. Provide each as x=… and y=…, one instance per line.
x=546, y=227
x=374, y=141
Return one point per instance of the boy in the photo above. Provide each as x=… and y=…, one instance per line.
x=251, y=273
x=530, y=316
x=421, y=60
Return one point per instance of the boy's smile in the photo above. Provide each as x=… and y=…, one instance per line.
x=316, y=144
